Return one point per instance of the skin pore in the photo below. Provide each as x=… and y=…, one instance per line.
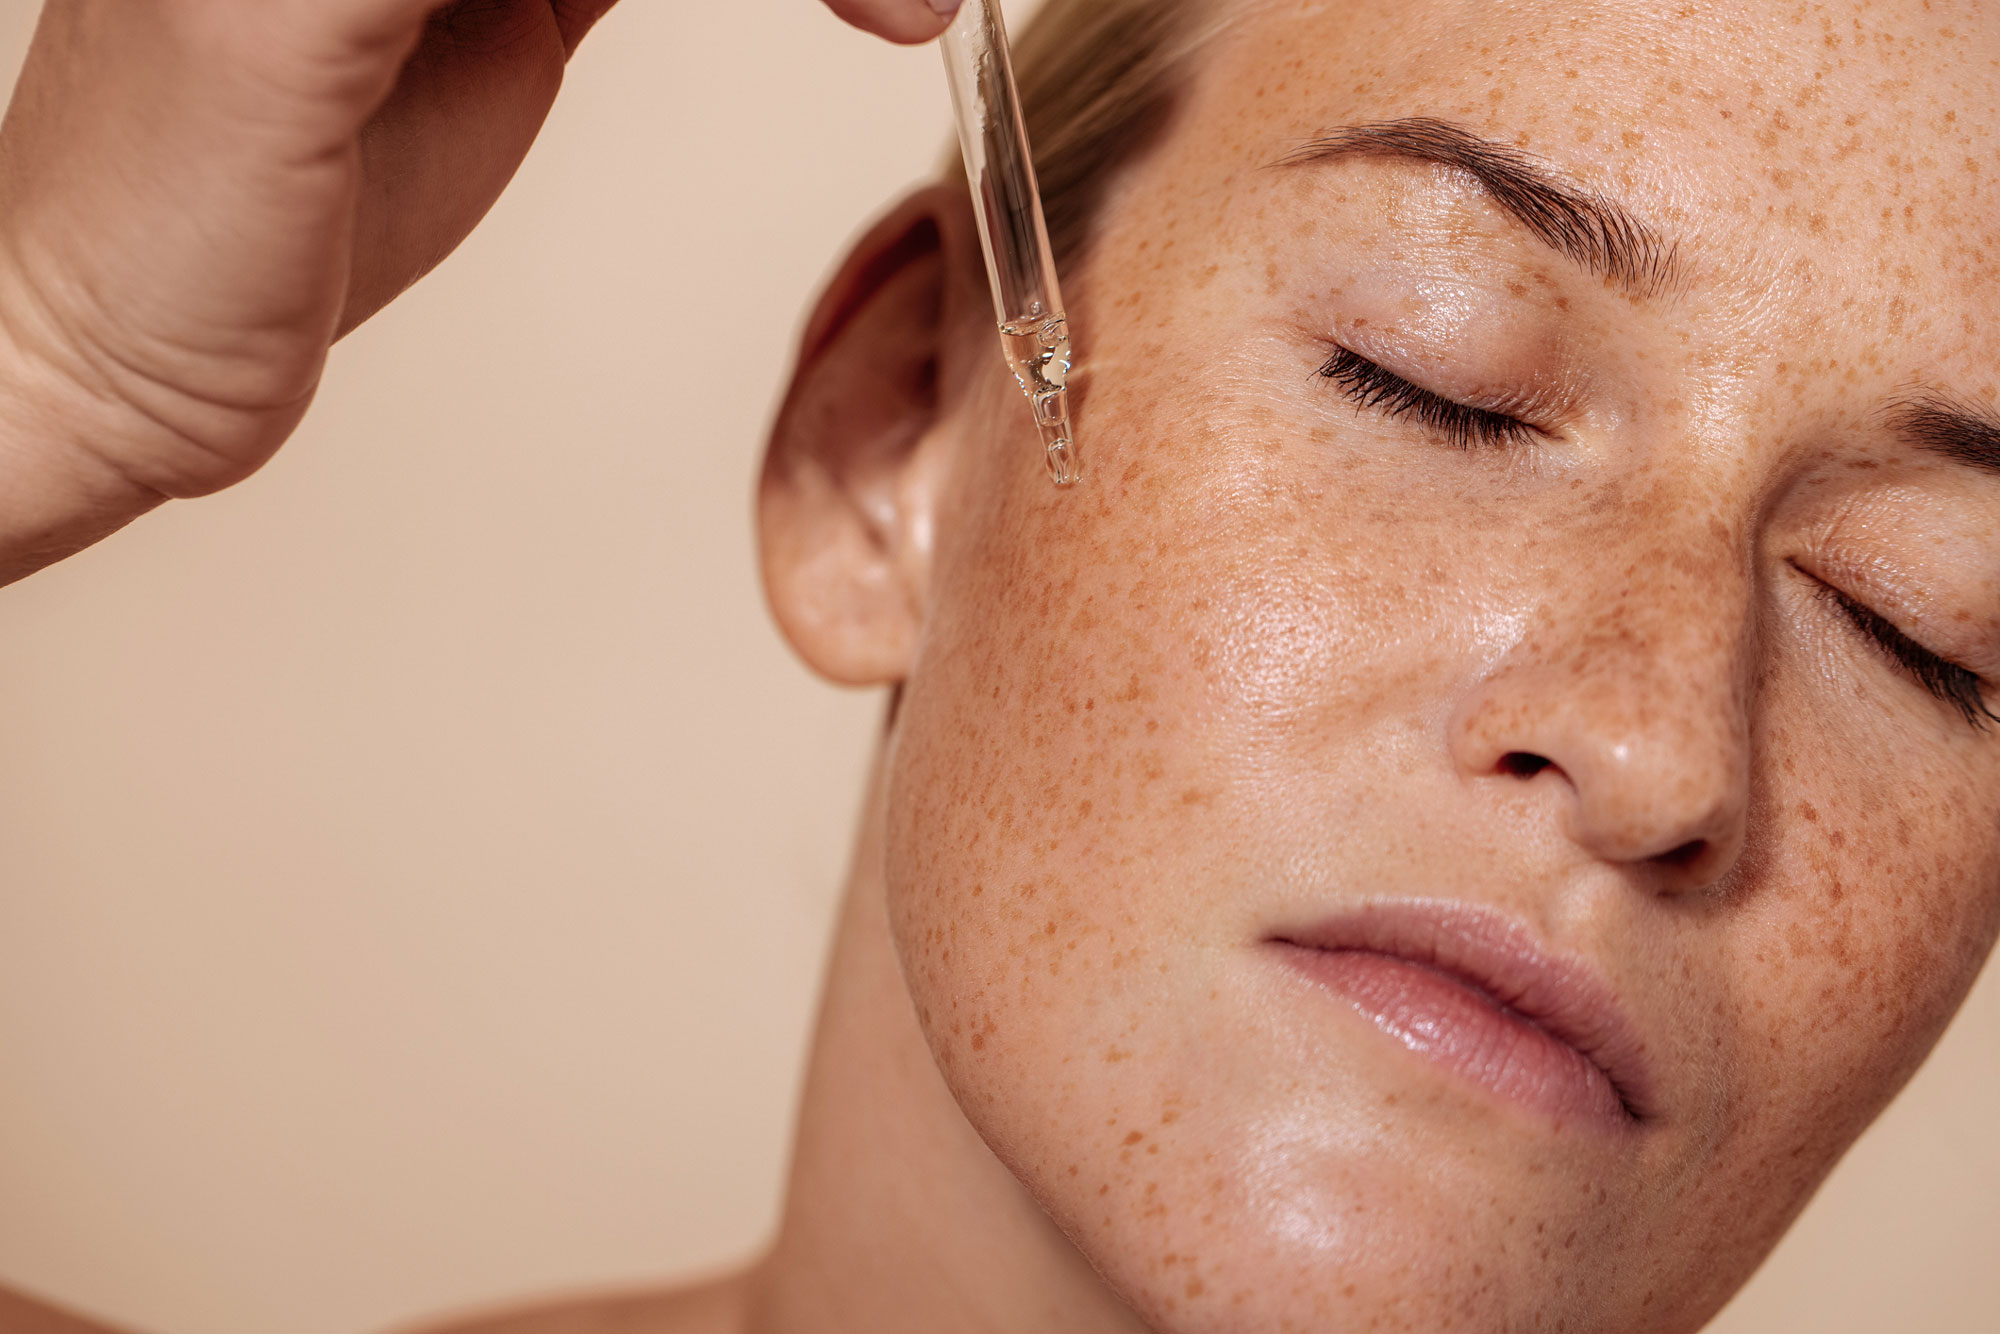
x=1590, y=670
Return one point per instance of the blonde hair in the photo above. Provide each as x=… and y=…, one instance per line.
x=1099, y=79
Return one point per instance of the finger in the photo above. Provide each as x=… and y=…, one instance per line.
x=908, y=21
x=440, y=151
x=575, y=18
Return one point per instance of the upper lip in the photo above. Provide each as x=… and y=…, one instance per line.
x=1493, y=954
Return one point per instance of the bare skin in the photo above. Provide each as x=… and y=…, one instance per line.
x=1599, y=666
x=21, y=1315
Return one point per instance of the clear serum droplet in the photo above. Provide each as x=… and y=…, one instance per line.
x=1038, y=352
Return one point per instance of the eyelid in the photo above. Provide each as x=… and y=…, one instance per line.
x=1521, y=363
x=1371, y=386
x=1954, y=684
x=1924, y=566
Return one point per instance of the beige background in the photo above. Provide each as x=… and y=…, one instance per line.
x=414, y=864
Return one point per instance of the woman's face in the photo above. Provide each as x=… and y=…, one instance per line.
x=1365, y=862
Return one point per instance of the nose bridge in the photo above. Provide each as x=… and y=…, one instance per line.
x=1658, y=636
x=1658, y=679
x=1631, y=683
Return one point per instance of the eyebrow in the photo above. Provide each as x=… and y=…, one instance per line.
x=1931, y=420
x=1597, y=233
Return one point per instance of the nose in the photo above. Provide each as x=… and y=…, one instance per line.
x=1636, y=717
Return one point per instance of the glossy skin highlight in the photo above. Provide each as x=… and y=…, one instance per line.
x=1272, y=661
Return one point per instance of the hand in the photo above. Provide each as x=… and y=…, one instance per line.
x=197, y=197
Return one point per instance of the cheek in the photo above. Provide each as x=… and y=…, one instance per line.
x=1881, y=913
x=1054, y=800
x=1041, y=897
x=1890, y=896
x=1124, y=687
x=1869, y=907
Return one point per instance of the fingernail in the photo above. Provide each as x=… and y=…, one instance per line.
x=946, y=8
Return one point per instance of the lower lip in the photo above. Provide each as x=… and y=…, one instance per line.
x=1466, y=1031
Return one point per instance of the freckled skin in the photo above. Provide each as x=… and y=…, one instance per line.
x=1272, y=657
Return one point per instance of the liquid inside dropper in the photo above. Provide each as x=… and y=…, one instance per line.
x=1038, y=350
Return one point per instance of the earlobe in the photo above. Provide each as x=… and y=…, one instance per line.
x=845, y=501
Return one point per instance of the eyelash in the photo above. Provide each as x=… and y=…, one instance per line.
x=1369, y=386
x=1955, y=685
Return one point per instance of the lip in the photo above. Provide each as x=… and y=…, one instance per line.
x=1470, y=989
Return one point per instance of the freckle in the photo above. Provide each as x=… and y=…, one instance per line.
x=1195, y=1287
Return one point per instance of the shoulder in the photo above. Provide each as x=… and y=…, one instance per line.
x=21, y=1315
x=716, y=1307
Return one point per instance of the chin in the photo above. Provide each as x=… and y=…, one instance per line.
x=1235, y=1147
x=1298, y=1219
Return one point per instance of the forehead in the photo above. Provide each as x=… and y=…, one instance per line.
x=1843, y=153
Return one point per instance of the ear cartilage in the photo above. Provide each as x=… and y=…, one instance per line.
x=1027, y=302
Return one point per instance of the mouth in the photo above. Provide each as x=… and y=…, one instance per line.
x=1472, y=991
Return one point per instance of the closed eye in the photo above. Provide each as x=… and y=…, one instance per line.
x=1957, y=686
x=1461, y=425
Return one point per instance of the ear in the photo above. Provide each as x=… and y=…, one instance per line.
x=855, y=460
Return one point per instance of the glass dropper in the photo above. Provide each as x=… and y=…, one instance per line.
x=1034, y=332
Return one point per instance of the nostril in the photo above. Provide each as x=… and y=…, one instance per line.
x=1521, y=764
x=1685, y=854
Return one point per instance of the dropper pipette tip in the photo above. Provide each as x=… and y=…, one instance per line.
x=1013, y=234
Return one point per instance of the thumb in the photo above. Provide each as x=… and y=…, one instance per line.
x=907, y=21
x=575, y=18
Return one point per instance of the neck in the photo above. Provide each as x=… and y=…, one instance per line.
x=898, y=1217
